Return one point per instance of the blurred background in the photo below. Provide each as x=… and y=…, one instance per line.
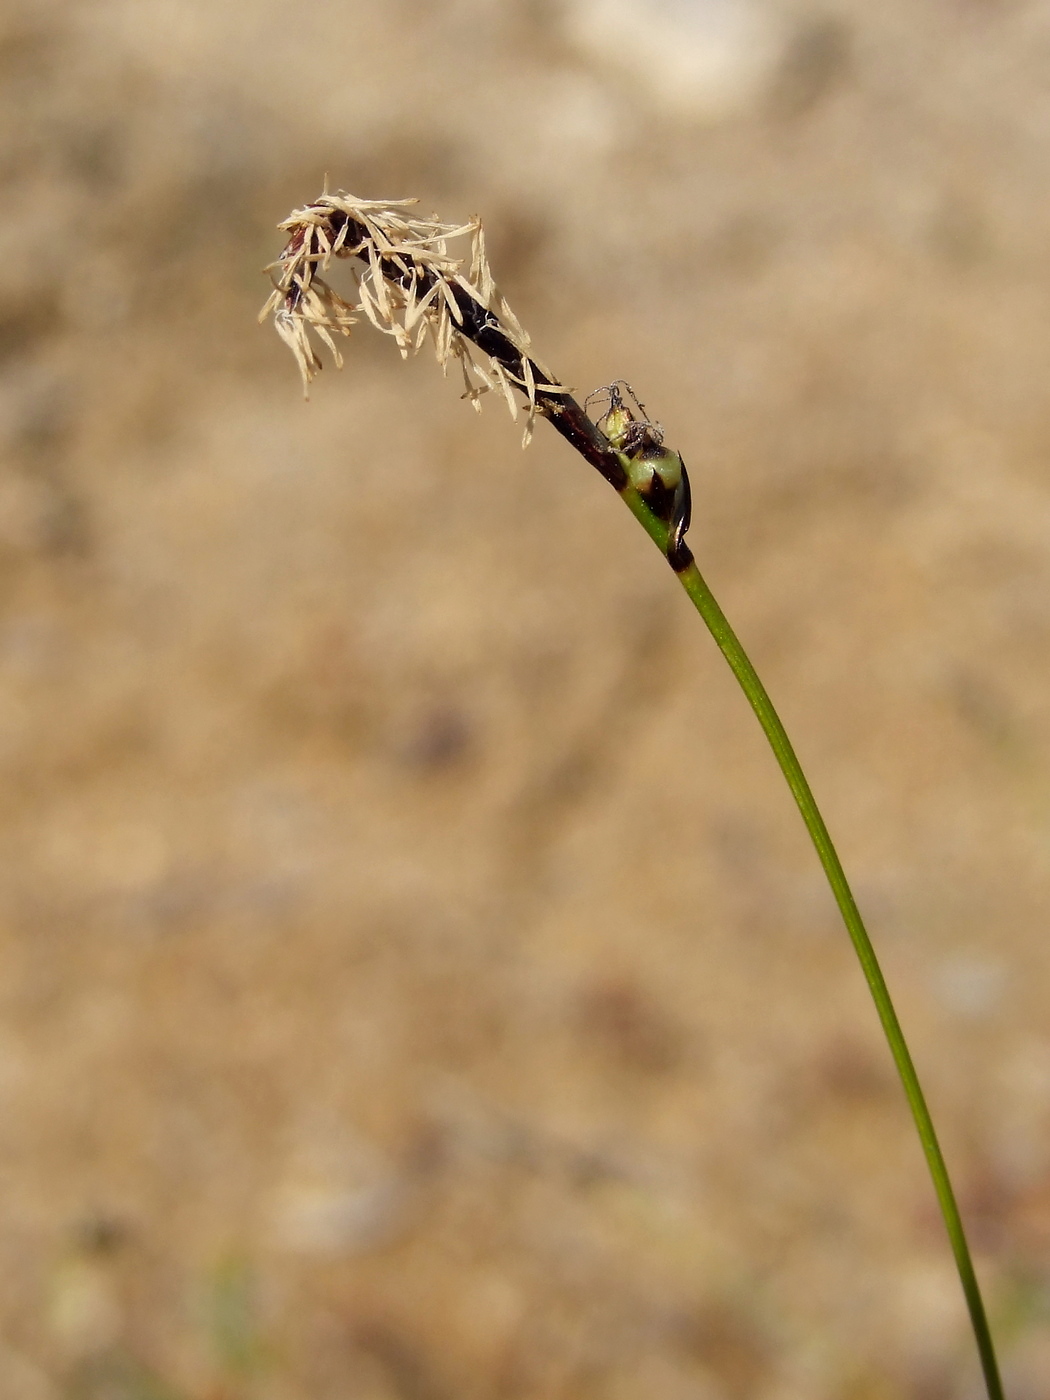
x=415, y=981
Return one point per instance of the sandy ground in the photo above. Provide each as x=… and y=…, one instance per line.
x=415, y=983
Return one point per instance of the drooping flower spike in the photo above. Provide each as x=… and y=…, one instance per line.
x=410, y=287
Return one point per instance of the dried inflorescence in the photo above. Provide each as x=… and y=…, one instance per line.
x=409, y=286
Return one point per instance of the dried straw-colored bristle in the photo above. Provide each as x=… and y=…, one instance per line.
x=406, y=282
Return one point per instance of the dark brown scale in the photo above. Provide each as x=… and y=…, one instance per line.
x=660, y=498
x=679, y=555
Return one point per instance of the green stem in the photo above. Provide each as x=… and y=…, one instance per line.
x=707, y=606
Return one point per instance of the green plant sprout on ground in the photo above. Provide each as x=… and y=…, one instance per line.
x=412, y=288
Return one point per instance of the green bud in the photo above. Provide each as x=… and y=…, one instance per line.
x=616, y=423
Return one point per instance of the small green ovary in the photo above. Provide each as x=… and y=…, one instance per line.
x=655, y=461
x=640, y=451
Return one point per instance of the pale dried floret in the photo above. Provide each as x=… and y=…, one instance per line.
x=405, y=284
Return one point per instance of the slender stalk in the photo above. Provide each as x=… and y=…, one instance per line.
x=728, y=643
x=411, y=285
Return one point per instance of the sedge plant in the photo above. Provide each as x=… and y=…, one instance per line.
x=411, y=287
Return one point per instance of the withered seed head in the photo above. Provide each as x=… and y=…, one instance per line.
x=409, y=286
